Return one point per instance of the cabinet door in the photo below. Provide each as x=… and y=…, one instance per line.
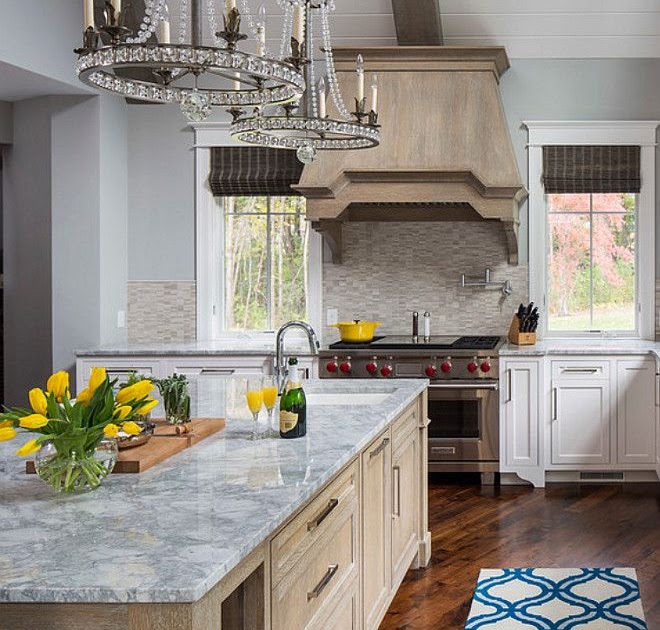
x=580, y=418
x=636, y=421
x=521, y=414
x=405, y=506
x=376, y=529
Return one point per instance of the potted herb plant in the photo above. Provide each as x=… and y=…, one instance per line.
x=176, y=398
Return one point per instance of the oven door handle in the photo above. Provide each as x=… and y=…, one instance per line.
x=473, y=386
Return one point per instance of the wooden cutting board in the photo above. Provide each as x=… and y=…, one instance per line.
x=164, y=443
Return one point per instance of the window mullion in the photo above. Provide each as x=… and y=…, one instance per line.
x=591, y=261
x=269, y=264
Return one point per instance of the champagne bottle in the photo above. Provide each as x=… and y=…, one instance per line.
x=293, y=405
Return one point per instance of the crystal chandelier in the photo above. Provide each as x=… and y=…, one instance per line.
x=304, y=125
x=197, y=77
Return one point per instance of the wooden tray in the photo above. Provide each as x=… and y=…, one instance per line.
x=162, y=445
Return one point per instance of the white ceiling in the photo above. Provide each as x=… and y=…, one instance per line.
x=528, y=28
x=17, y=84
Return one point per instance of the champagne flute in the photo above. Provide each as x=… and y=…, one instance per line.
x=270, y=401
x=255, y=399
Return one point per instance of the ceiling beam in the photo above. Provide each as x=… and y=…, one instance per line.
x=418, y=22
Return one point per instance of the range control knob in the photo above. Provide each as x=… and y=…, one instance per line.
x=345, y=367
x=431, y=371
x=372, y=367
x=446, y=365
x=332, y=367
x=386, y=371
x=472, y=366
x=486, y=366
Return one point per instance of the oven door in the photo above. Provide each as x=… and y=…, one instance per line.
x=464, y=425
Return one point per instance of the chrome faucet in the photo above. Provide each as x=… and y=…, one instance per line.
x=280, y=365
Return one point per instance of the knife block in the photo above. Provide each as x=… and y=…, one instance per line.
x=520, y=338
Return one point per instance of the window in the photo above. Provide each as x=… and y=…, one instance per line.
x=592, y=262
x=591, y=222
x=266, y=249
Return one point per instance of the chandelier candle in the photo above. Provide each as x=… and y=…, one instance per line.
x=299, y=23
x=261, y=32
x=164, y=27
x=322, y=99
x=360, y=77
x=89, y=14
x=374, y=93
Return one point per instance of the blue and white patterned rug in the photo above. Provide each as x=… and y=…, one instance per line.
x=556, y=599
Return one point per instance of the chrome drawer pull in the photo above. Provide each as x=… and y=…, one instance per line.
x=380, y=449
x=217, y=371
x=329, y=574
x=397, y=491
x=313, y=524
x=580, y=370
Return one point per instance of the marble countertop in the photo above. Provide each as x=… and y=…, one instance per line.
x=243, y=344
x=170, y=534
x=582, y=347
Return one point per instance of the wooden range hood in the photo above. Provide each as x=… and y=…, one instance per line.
x=445, y=155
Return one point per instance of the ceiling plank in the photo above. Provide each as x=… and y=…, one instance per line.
x=418, y=22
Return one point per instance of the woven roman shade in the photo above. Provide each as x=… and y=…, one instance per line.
x=591, y=169
x=253, y=171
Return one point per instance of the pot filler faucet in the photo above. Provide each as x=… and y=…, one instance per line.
x=280, y=365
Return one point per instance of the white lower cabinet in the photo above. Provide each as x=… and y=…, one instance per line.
x=579, y=415
x=590, y=413
x=636, y=424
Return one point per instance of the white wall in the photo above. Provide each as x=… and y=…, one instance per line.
x=6, y=123
x=65, y=242
x=27, y=249
x=596, y=89
x=39, y=36
x=161, y=195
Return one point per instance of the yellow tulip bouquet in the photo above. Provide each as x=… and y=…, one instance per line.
x=72, y=430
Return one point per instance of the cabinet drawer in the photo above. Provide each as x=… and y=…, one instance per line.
x=403, y=425
x=215, y=366
x=292, y=543
x=580, y=369
x=318, y=575
x=119, y=369
x=341, y=612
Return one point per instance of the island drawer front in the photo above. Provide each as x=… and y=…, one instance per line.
x=403, y=425
x=341, y=612
x=319, y=575
x=291, y=544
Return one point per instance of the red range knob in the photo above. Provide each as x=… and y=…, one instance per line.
x=372, y=368
x=472, y=367
x=345, y=367
x=386, y=371
x=332, y=367
x=485, y=367
x=446, y=366
x=431, y=371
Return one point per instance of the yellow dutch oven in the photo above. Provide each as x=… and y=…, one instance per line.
x=357, y=331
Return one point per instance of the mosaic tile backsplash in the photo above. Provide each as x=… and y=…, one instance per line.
x=392, y=269
x=161, y=311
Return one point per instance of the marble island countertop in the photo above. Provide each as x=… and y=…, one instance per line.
x=170, y=534
x=577, y=346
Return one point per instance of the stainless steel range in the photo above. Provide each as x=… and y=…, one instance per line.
x=463, y=404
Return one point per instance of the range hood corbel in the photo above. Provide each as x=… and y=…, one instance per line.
x=446, y=152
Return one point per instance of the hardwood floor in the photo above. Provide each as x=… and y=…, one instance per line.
x=564, y=525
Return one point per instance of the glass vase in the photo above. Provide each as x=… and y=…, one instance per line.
x=74, y=470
